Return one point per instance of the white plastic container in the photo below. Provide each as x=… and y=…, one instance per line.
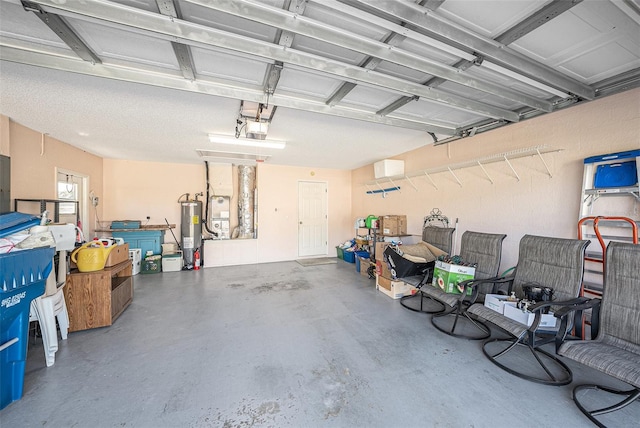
x=388, y=168
x=135, y=254
x=172, y=262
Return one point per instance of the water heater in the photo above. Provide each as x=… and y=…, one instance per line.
x=191, y=227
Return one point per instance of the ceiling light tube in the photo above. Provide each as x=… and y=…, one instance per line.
x=246, y=142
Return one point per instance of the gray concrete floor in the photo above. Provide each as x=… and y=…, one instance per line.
x=280, y=345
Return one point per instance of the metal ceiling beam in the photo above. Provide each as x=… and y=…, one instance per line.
x=283, y=38
x=497, y=52
x=620, y=83
x=388, y=24
x=535, y=20
x=463, y=64
x=182, y=51
x=128, y=74
x=340, y=93
x=325, y=32
x=543, y=15
x=111, y=13
x=433, y=4
x=64, y=31
x=396, y=105
x=370, y=63
x=272, y=77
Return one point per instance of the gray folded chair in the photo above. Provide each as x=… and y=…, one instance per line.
x=442, y=238
x=550, y=262
x=616, y=350
x=485, y=249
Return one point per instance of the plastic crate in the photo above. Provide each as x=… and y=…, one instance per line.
x=23, y=276
x=14, y=222
x=151, y=265
x=340, y=253
x=621, y=174
x=350, y=256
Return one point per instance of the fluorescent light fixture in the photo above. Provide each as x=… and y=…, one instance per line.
x=246, y=142
x=229, y=156
x=524, y=79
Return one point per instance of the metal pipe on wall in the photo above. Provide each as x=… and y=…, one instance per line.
x=246, y=201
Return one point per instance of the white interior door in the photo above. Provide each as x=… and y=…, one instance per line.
x=312, y=218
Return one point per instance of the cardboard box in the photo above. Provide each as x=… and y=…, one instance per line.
x=382, y=268
x=393, y=225
x=547, y=322
x=447, y=276
x=169, y=248
x=394, y=288
x=495, y=302
x=119, y=254
x=380, y=247
x=364, y=266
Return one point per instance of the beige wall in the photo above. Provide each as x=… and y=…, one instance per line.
x=34, y=159
x=134, y=190
x=278, y=209
x=537, y=204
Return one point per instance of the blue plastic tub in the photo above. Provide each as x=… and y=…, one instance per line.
x=23, y=276
x=349, y=256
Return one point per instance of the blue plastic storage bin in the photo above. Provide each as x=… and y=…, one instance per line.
x=350, y=256
x=23, y=276
x=618, y=174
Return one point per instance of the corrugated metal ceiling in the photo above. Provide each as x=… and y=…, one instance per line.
x=388, y=76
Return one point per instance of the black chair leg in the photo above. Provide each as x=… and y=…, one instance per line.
x=427, y=304
x=564, y=378
x=447, y=322
x=631, y=396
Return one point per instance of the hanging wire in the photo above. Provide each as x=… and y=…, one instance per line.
x=69, y=185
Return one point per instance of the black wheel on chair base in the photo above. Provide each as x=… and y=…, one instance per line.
x=432, y=306
x=551, y=367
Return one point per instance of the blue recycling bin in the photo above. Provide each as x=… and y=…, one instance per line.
x=23, y=276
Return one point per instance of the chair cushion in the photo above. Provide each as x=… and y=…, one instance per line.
x=609, y=355
x=436, y=293
x=513, y=327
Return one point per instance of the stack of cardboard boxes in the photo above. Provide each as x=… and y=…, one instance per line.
x=392, y=225
x=394, y=288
